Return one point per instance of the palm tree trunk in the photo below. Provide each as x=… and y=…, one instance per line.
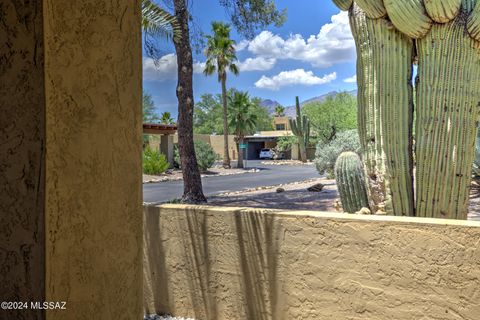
x=226, y=157
x=240, y=153
x=192, y=183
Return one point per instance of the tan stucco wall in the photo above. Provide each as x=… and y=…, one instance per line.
x=216, y=141
x=234, y=263
x=281, y=120
x=22, y=125
x=93, y=162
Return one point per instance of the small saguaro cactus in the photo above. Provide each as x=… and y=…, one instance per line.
x=351, y=182
x=301, y=128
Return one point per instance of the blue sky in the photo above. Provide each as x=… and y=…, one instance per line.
x=311, y=54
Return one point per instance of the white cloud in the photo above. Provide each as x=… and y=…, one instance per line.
x=352, y=79
x=242, y=45
x=256, y=64
x=333, y=44
x=293, y=77
x=165, y=68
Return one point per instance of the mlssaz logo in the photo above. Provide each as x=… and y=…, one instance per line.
x=48, y=305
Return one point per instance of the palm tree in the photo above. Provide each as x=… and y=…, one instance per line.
x=221, y=56
x=166, y=118
x=242, y=120
x=279, y=111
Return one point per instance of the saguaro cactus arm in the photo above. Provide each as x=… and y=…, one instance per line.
x=410, y=17
x=442, y=11
x=343, y=4
x=473, y=25
x=374, y=9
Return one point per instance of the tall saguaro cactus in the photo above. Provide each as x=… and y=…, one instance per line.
x=301, y=128
x=446, y=36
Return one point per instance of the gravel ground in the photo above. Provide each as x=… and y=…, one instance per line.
x=166, y=317
x=175, y=175
x=287, y=163
x=296, y=197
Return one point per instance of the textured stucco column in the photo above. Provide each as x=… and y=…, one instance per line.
x=70, y=172
x=22, y=145
x=166, y=147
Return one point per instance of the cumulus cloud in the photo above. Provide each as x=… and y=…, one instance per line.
x=333, y=44
x=293, y=77
x=242, y=45
x=165, y=68
x=352, y=79
x=256, y=64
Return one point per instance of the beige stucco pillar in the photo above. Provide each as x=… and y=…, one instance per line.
x=70, y=171
x=166, y=147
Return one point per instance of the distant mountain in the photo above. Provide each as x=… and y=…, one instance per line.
x=270, y=105
x=290, y=110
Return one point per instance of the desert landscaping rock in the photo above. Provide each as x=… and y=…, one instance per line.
x=286, y=163
x=176, y=175
x=316, y=187
x=296, y=197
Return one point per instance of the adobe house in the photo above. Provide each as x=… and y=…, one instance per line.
x=166, y=132
x=71, y=142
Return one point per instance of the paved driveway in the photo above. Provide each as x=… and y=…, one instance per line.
x=268, y=175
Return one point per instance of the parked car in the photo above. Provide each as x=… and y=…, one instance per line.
x=266, y=154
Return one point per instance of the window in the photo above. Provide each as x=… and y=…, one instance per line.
x=280, y=126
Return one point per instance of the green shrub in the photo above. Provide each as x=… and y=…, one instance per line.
x=154, y=162
x=206, y=156
x=327, y=153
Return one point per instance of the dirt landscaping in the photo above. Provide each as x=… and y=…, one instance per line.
x=176, y=174
x=295, y=196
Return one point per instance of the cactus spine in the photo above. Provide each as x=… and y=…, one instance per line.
x=447, y=38
x=351, y=182
x=301, y=128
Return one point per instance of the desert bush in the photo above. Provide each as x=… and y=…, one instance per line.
x=154, y=162
x=206, y=156
x=327, y=153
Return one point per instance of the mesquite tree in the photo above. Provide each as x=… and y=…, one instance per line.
x=443, y=37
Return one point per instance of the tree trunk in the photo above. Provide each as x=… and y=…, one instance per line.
x=240, y=153
x=226, y=157
x=192, y=183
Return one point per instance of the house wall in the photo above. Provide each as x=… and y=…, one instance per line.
x=93, y=183
x=216, y=141
x=70, y=171
x=22, y=149
x=239, y=263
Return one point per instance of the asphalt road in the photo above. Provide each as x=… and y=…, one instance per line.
x=268, y=176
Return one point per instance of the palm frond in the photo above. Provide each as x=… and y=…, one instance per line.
x=158, y=22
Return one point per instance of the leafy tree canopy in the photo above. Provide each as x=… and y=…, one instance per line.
x=334, y=115
x=208, y=114
x=150, y=114
x=249, y=16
